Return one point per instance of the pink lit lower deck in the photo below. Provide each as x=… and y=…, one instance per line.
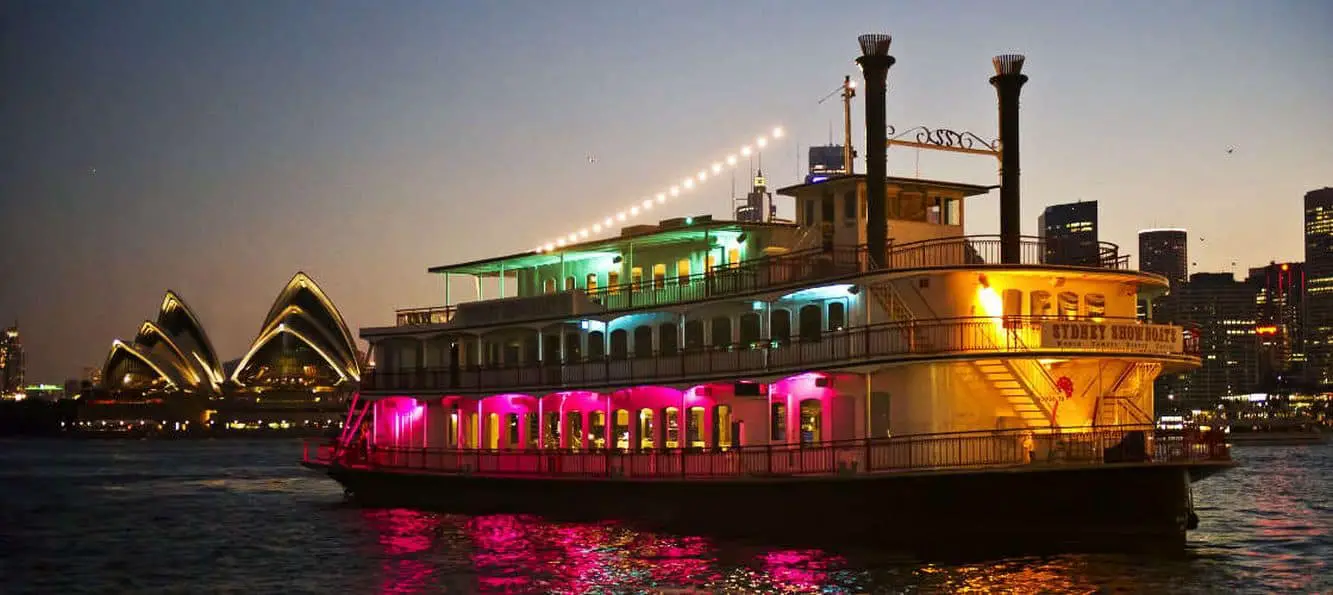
x=1008, y=449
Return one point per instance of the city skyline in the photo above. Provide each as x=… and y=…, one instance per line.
x=214, y=150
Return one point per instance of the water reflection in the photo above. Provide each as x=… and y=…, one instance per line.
x=525, y=554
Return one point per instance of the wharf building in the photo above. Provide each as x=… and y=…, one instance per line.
x=296, y=373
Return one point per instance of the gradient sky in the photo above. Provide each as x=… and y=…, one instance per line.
x=216, y=147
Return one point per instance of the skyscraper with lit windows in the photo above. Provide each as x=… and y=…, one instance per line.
x=11, y=361
x=1069, y=234
x=1319, y=285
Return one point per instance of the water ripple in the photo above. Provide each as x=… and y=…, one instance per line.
x=241, y=517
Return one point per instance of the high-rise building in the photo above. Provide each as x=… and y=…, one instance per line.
x=11, y=361
x=1280, y=330
x=1166, y=253
x=1223, y=313
x=1069, y=234
x=1319, y=285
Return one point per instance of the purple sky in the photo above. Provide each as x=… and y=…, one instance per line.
x=216, y=147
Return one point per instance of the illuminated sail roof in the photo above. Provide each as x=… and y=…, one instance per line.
x=304, y=312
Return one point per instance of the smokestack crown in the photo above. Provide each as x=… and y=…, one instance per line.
x=1008, y=64
x=875, y=44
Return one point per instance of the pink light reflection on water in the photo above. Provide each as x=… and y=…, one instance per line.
x=403, y=534
x=525, y=554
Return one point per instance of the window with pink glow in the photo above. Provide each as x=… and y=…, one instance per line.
x=671, y=422
x=646, y=427
x=621, y=429
x=811, y=419
x=778, y=430
x=722, y=426
x=694, y=424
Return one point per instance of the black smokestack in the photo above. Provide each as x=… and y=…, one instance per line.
x=875, y=62
x=1008, y=81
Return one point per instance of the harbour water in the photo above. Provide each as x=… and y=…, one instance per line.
x=237, y=516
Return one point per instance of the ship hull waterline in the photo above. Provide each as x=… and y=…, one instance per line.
x=1039, y=509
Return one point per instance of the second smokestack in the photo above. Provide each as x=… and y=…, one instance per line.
x=875, y=62
x=1008, y=81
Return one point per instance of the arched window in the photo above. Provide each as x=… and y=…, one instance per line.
x=812, y=323
x=749, y=330
x=590, y=284
x=570, y=284
x=722, y=426
x=1068, y=307
x=548, y=286
x=694, y=334
x=619, y=344
x=620, y=430
x=643, y=341
x=1039, y=303
x=596, y=345
x=779, y=325
x=1096, y=304
x=721, y=332
x=668, y=338
x=683, y=272
x=837, y=316
x=646, y=437
x=812, y=419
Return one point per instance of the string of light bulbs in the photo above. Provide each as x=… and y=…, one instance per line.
x=647, y=203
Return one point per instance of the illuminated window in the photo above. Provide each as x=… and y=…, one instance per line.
x=812, y=419
x=1096, y=304
x=722, y=425
x=734, y=256
x=570, y=284
x=613, y=281
x=777, y=431
x=646, y=428
x=621, y=429
x=1039, y=303
x=683, y=271
x=710, y=264
x=671, y=427
x=694, y=428
x=597, y=429
x=548, y=286
x=591, y=282
x=1068, y=305
x=659, y=276
x=574, y=425
x=636, y=278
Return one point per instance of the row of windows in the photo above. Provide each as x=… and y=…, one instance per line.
x=1066, y=304
x=907, y=207
x=667, y=338
x=590, y=282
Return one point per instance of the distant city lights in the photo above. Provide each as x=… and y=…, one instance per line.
x=646, y=203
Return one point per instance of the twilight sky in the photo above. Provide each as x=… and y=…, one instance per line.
x=216, y=147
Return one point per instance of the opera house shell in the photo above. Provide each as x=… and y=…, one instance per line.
x=303, y=353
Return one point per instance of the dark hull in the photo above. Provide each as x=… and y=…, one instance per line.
x=1031, y=510
x=1277, y=438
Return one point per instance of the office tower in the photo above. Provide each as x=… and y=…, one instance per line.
x=1319, y=285
x=1069, y=234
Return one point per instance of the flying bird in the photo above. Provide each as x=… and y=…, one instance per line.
x=1231, y=150
x=592, y=159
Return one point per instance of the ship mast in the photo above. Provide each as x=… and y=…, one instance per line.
x=848, y=92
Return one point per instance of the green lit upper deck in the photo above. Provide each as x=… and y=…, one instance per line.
x=690, y=259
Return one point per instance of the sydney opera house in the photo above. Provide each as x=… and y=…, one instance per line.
x=297, y=372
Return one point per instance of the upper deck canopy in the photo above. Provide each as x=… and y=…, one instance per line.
x=901, y=184
x=671, y=231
